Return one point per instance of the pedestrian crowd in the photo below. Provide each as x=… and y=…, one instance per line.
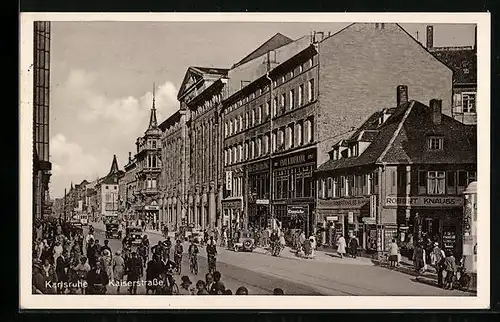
x=65, y=261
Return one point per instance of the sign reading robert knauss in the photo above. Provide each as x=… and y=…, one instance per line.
x=424, y=201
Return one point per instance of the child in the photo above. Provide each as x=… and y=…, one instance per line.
x=450, y=267
x=393, y=254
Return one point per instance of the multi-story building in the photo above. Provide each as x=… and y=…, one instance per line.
x=127, y=187
x=192, y=173
x=281, y=125
x=107, y=191
x=41, y=94
x=462, y=60
x=147, y=168
x=401, y=175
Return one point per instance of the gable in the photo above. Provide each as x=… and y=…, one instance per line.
x=190, y=78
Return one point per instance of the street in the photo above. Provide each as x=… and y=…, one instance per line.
x=261, y=273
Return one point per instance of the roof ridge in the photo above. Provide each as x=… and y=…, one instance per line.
x=396, y=133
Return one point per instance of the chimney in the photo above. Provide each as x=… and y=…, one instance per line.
x=402, y=95
x=436, y=111
x=430, y=37
x=129, y=156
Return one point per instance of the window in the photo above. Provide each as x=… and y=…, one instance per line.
x=301, y=68
x=298, y=134
x=241, y=122
x=259, y=114
x=283, y=100
x=246, y=150
x=259, y=151
x=308, y=131
x=311, y=62
x=436, y=143
x=281, y=139
x=289, y=137
x=231, y=127
x=436, y=182
x=469, y=102
x=451, y=182
x=291, y=74
x=246, y=120
x=273, y=141
x=153, y=143
x=236, y=126
x=226, y=132
x=310, y=90
x=107, y=187
x=240, y=148
x=292, y=99
x=268, y=109
x=275, y=83
x=275, y=106
x=252, y=123
x=252, y=149
x=329, y=187
x=283, y=79
x=301, y=95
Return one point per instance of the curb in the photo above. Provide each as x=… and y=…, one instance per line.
x=432, y=282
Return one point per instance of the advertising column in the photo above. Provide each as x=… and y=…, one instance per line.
x=469, y=231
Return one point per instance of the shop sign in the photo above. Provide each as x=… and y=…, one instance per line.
x=295, y=159
x=373, y=206
x=229, y=180
x=262, y=201
x=343, y=203
x=297, y=210
x=259, y=166
x=151, y=208
x=350, y=217
x=234, y=204
x=424, y=201
x=332, y=218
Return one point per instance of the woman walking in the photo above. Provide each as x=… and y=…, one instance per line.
x=118, y=265
x=107, y=263
x=393, y=254
x=341, y=245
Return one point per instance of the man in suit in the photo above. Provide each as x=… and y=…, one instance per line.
x=134, y=272
x=97, y=280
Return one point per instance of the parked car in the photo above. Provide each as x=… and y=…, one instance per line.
x=245, y=243
x=135, y=233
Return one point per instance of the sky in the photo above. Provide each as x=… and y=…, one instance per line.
x=103, y=73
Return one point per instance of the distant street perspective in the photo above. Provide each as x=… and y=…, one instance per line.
x=340, y=162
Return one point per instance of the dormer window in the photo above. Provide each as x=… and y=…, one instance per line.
x=436, y=143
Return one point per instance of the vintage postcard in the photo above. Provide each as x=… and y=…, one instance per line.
x=306, y=161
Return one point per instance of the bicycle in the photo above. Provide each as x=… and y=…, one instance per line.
x=178, y=262
x=212, y=266
x=169, y=286
x=193, y=264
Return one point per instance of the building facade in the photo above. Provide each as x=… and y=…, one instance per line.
x=191, y=178
x=315, y=91
x=41, y=94
x=107, y=191
x=127, y=188
x=147, y=166
x=400, y=176
x=463, y=61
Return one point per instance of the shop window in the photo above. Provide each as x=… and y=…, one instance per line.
x=451, y=182
x=436, y=182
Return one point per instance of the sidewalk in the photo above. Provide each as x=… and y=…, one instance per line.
x=319, y=256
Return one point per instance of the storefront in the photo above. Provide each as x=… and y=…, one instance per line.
x=422, y=218
x=344, y=216
x=258, y=196
x=232, y=212
x=294, y=190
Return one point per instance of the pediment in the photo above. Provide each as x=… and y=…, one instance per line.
x=190, y=78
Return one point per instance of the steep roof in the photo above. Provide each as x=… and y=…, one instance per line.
x=275, y=42
x=463, y=63
x=402, y=140
x=114, y=166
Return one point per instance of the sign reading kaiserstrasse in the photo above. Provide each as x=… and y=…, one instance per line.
x=424, y=201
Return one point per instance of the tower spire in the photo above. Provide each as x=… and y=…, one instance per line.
x=153, y=124
x=114, y=166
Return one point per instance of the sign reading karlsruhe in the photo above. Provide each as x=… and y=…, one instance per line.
x=424, y=201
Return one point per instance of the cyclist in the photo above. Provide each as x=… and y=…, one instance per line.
x=167, y=244
x=178, y=250
x=193, y=252
x=212, y=253
x=157, y=249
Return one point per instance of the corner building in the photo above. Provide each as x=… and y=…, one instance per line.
x=192, y=180
x=304, y=96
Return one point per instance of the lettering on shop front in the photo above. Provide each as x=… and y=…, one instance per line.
x=422, y=201
x=296, y=159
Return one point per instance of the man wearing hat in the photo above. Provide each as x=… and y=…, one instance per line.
x=437, y=260
x=134, y=271
x=184, y=289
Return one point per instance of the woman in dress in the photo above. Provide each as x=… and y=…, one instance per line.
x=106, y=263
x=49, y=275
x=393, y=254
x=58, y=250
x=341, y=245
x=118, y=265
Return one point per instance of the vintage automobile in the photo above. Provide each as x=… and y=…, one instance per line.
x=112, y=231
x=76, y=227
x=245, y=243
x=135, y=234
